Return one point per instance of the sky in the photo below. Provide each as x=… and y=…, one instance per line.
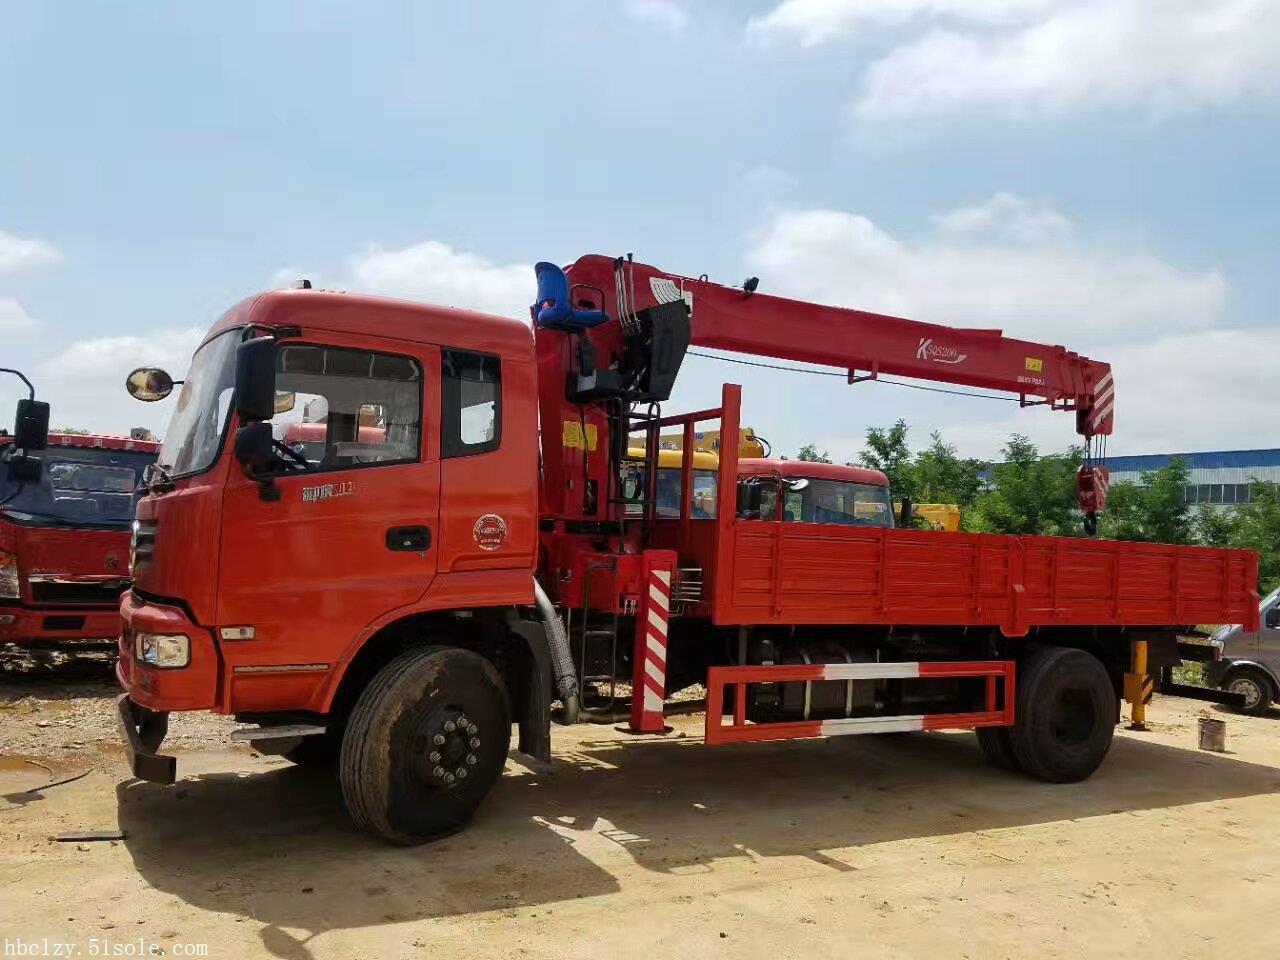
x=1099, y=174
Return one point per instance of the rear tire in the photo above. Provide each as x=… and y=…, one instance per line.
x=1255, y=687
x=1067, y=710
x=409, y=772
x=997, y=748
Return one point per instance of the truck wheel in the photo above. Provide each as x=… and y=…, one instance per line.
x=1066, y=715
x=1254, y=686
x=996, y=748
x=427, y=740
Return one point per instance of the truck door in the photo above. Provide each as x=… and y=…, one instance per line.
x=1269, y=636
x=347, y=531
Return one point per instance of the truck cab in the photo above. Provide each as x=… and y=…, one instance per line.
x=801, y=491
x=64, y=537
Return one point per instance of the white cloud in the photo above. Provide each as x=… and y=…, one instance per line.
x=85, y=382
x=17, y=253
x=1036, y=55
x=1184, y=381
x=1214, y=390
x=434, y=272
x=1006, y=217
x=1006, y=263
x=13, y=318
x=660, y=13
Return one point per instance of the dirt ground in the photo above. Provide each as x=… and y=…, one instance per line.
x=898, y=846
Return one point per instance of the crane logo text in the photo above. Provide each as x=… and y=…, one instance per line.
x=928, y=350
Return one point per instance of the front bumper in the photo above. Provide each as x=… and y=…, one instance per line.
x=143, y=731
x=34, y=625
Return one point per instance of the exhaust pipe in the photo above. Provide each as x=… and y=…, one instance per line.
x=561, y=658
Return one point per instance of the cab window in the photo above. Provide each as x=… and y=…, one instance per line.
x=341, y=409
x=702, y=502
x=471, y=403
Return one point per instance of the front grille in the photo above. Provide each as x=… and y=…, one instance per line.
x=106, y=592
x=63, y=623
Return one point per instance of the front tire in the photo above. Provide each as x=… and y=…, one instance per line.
x=425, y=744
x=1255, y=687
x=1067, y=710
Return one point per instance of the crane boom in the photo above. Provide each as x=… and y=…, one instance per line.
x=866, y=344
x=611, y=337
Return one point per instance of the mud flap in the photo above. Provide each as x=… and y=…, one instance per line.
x=532, y=701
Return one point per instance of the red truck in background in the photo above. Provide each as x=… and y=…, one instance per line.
x=396, y=601
x=66, y=517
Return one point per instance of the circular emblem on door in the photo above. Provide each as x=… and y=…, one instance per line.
x=490, y=532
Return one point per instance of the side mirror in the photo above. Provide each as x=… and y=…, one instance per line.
x=148, y=384
x=255, y=393
x=1272, y=619
x=31, y=425
x=749, y=496
x=253, y=447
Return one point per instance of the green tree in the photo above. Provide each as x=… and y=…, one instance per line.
x=1153, y=509
x=887, y=451
x=1029, y=493
x=941, y=476
x=812, y=454
x=1256, y=526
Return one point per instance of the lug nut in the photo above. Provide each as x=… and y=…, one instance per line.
x=462, y=773
x=462, y=721
x=450, y=726
x=471, y=759
x=474, y=743
x=438, y=772
x=435, y=756
x=473, y=729
x=448, y=778
x=438, y=739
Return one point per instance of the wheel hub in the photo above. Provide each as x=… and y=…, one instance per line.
x=1248, y=689
x=448, y=748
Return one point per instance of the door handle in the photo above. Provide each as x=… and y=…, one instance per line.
x=409, y=539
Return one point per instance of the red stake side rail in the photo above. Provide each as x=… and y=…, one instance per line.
x=999, y=676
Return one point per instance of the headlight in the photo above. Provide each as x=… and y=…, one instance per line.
x=165, y=650
x=8, y=576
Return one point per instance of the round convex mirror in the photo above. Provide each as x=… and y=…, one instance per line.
x=149, y=384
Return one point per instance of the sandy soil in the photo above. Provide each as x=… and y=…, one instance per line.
x=903, y=846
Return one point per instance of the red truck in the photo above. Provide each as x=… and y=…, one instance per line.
x=66, y=513
x=397, y=600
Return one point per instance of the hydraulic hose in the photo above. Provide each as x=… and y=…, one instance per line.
x=561, y=658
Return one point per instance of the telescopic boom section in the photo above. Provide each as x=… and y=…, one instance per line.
x=865, y=344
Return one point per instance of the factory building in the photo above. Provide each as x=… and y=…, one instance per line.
x=1217, y=477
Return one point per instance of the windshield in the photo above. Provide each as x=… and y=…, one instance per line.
x=669, y=478
x=195, y=432
x=829, y=501
x=79, y=486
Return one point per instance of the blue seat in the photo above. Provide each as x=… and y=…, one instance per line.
x=554, y=309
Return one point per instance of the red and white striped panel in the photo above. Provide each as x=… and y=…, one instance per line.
x=1104, y=402
x=740, y=731
x=649, y=680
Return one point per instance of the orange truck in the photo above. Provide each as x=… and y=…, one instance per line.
x=66, y=510
x=471, y=534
